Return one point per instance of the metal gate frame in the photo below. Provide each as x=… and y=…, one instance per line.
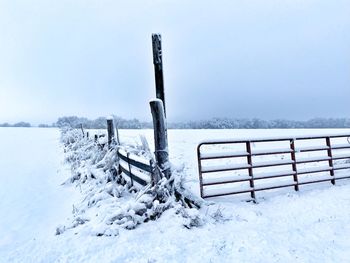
x=292, y=150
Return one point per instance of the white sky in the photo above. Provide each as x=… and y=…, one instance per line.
x=268, y=59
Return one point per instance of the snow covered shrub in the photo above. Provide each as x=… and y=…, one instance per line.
x=69, y=136
x=218, y=216
x=192, y=217
x=109, y=203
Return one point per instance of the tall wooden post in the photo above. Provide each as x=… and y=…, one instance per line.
x=110, y=130
x=158, y=67
x=160, y=136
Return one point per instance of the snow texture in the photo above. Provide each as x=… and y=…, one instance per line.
x=285, y=226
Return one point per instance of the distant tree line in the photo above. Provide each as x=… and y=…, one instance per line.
x=100, y=123
x=18, y=124
x=225, y=123
x=215, y=123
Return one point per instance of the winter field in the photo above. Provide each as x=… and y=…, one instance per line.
x=285, y=226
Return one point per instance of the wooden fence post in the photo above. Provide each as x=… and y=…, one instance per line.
x=82, y=129
x=116, y=128
x=160, y=136
x=158, y=67
x=110, y=130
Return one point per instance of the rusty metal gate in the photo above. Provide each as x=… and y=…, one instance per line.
x=249, y=166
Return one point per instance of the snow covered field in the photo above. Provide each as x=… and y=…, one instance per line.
x=309, y=226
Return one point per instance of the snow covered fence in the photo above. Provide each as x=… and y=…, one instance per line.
x=121, y=187
x=271, y=163
x=137, y=171
x=131, y=189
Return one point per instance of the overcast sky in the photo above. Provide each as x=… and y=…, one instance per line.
x=267, y=59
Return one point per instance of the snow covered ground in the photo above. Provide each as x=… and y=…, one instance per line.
x=309, y=226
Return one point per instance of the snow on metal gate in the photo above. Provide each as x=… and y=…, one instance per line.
x=228, y=167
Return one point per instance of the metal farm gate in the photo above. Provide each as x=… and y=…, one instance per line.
x=228, y=167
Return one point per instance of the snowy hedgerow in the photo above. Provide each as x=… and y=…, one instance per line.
x=109, y=203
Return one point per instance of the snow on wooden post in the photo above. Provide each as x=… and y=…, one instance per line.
x=110, y=130
x=117, y=131
x=158, y=67
x=160, y=136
